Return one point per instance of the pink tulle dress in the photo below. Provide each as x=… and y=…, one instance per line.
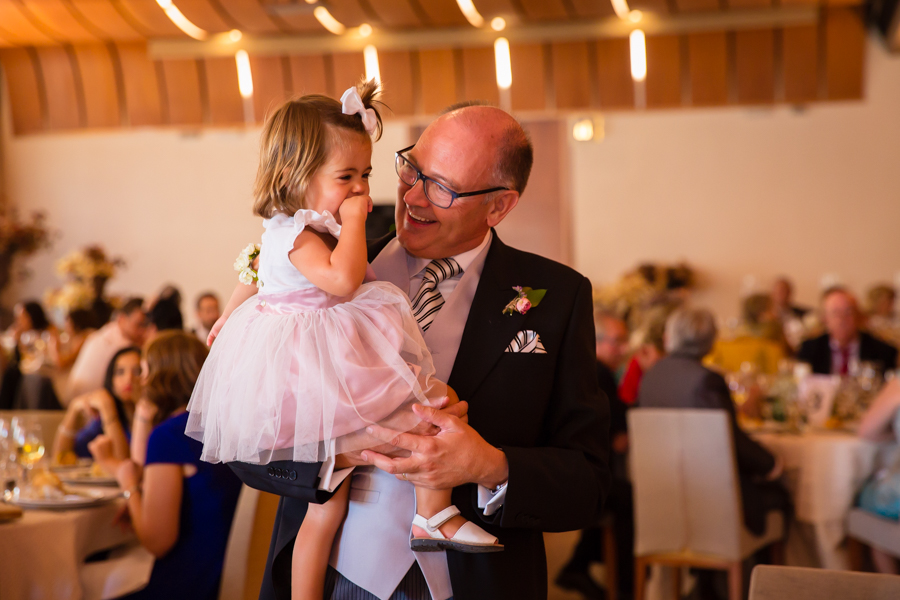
x=297, y=373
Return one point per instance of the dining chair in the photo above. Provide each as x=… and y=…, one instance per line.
x=248, y=545
x=800, y=583
x=687, y=502
x=869, y=529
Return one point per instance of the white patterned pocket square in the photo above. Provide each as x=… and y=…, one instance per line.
x=527, y=342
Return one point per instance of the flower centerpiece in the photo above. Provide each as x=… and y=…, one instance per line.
x=85, y=273
x=20, y=237
x=644, y=289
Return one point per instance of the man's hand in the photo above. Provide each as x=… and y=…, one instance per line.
x=456, y=455
x=460, y=410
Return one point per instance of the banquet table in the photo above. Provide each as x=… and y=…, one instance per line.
x=823, y=471
x=42, y=555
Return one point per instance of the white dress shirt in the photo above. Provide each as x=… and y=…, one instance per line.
x=89, y=370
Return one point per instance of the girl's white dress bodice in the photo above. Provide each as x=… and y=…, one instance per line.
x=297, y=373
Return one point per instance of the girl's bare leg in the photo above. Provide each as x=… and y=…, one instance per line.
x=312, y=548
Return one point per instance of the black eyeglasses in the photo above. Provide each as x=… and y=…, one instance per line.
x=436, y=192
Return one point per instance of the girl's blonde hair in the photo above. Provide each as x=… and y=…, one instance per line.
x=295, y=142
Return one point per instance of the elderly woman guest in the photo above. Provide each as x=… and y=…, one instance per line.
x=881, y=494
x=180, y=507
x=109, y=410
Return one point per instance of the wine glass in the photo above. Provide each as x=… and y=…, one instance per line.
x=29, y=444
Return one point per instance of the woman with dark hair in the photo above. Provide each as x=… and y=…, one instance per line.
x=180, y=507
x=31, y=334
x=109, y=410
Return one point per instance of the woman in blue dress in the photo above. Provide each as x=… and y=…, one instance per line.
x=180, y=507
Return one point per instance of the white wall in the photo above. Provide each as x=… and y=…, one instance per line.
x=175, y=205
x=733, y=191
x=738, y=192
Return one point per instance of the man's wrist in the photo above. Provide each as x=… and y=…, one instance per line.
x=497, y=472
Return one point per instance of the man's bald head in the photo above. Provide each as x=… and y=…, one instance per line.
x=500, y=136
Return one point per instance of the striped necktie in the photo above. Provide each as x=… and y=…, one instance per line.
x=428, y=300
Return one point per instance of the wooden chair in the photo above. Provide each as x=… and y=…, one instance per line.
x=248, y=545
x=798, y=583
x=687, y=501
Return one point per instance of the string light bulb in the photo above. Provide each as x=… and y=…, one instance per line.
x=621, y=8
x=503, y=63
x=370, y=55
x=365, y=30
x=638, y=44
x=498, y=23
x=470, y=13
x=181, y=21
x=327, y=21
x=245, y=77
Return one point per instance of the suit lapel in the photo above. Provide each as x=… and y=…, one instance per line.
x=488, y=331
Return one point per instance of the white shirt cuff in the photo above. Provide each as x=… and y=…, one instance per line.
x=329, y=479
x=490, y=501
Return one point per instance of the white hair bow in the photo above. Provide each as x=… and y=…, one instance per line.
x=352, y=104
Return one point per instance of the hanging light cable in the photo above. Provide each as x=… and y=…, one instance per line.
x=181, y=21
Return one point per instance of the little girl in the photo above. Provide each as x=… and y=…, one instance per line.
x=301, y=369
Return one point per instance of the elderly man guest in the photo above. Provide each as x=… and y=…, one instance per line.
x=533, y=455
x=681, y=381
x=612, y=350
x=128, y=328
x=844, y=345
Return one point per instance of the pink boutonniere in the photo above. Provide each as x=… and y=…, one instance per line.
x=526, y=299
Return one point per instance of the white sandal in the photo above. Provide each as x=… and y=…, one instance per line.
x=470, y=538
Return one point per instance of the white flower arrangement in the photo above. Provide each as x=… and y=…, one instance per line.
x=243, y=264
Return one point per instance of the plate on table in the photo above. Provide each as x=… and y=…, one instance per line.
x=83, y=475
x=81, y=497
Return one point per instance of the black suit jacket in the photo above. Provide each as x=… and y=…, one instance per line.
x=543, y=410
x=677, y=381
x=817, y=352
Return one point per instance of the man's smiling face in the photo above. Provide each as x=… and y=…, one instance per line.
x=460, y=155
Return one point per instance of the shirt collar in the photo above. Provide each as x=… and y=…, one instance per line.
x=835, y=347
x=464, y=260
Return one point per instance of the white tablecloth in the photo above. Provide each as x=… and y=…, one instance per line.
x=824, y=471
x=42, y=556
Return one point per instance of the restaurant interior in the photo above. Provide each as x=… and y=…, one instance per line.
x=720, y=170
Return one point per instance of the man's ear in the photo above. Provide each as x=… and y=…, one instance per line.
x=500, y=206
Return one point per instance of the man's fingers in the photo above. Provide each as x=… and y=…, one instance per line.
x=394, y=438
x=436, y=417
x=394, y=466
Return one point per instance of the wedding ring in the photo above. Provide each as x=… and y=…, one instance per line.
x=403, y=475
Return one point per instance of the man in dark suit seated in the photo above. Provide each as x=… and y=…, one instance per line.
x=533, y=455
x=679, y=380
x=844, y=345
x=612, y=349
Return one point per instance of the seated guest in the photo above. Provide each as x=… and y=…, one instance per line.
x=881, y=494
x=649, y=348
x=180, y=507
x=758, y=340
x=126, y=329
x=208, y=312
x=32, y=333
x=109, y=411
x=65, y=348
x=881, y=320
x=164, y=315
x=844, y=345
x=787, y=313
x=611, y=348
x=679, y=380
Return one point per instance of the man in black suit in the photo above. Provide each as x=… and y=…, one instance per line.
x=844, y=344
x=533, y=456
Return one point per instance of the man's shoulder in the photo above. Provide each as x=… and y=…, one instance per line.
x=536, y=265
x=815, y=343
x=880, y=345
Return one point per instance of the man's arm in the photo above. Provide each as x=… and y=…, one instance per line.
x=558, y=486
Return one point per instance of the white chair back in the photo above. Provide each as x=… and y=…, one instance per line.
x=49, y=421
x=686, y=491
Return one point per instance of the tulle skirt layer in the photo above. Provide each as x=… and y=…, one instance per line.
x=300, y=375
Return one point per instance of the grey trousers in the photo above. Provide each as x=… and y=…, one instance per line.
x=412, y=587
